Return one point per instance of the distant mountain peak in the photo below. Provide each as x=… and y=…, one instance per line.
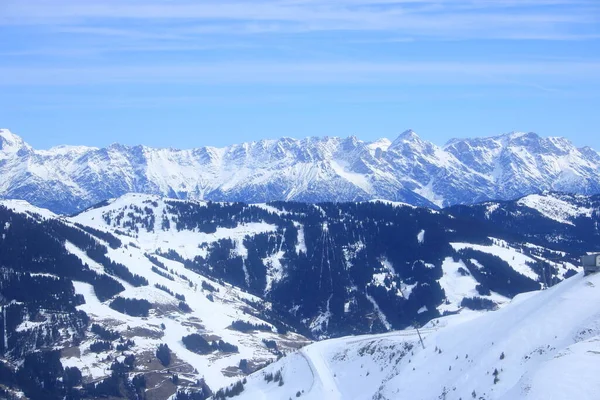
x=408, y=134
x=9, y=142
x=382, y=144
x=518, y=135
x=407, y=137
x=522, y=138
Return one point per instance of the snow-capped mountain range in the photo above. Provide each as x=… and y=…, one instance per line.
x=409, y=169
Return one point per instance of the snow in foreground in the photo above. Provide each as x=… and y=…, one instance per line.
x=543, y=345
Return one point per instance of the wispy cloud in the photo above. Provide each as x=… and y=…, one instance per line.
x=428, y=18
x=447, y=73
x=76, y=42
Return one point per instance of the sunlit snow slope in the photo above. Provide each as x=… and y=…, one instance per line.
x=543, y=345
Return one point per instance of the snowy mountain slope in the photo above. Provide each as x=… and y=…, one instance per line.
x=289, y=269
x=67, y=179
x=557, y=208
x=374, y=284
x=543, y=345
x=210, y=309
x=523, y=163
x=384, y=283
x=567, y=220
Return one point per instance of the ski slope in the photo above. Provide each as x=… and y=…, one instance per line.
x=542, y=345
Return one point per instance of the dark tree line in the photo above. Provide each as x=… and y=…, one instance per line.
x=133, y=307
x=244, y=326
x=198, y=344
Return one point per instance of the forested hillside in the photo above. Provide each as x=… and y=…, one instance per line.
x=230, y=287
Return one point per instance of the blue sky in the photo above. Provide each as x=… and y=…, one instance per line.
x=183, y=73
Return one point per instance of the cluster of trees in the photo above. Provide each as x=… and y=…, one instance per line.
x=113, y=241
x=95, y=250
x=498, y=276
x=513, y=222
x=208, y=287
x=184, y=307
x=105, y=287
x=270, y=344
x=156, y=262
x=104, y=333
x=162, y=273
x=120, y=383
x=125, y=344
x=274, y=377
x=100, y=346
x=478, y=303
x=345, y=245
x=244, y=326
x=165, y=289
x=120, y=271
x=41, y=376
x=39, y=291
x=207, y=218
x=234, y=390
x=201, y=392
x=199, y=345
x=133, y=307
x=45, y=299
x=163, y=353
x=132, y=217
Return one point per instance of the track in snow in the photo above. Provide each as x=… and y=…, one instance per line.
x=320, y=370
x=408, y=333
x=323, y=378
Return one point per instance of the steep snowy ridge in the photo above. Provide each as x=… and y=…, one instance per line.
x=67, y=179
x=543, y=345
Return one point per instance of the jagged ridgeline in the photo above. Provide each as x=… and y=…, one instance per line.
x=407, y=169
x=253, y=281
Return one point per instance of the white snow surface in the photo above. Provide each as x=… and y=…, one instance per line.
x=24, y=207
x=421, y=236
x=543, y=345
x=518, y=261
x=458, y=283
x=555, y=208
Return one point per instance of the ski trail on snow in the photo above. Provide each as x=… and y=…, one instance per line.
x=321, y=371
